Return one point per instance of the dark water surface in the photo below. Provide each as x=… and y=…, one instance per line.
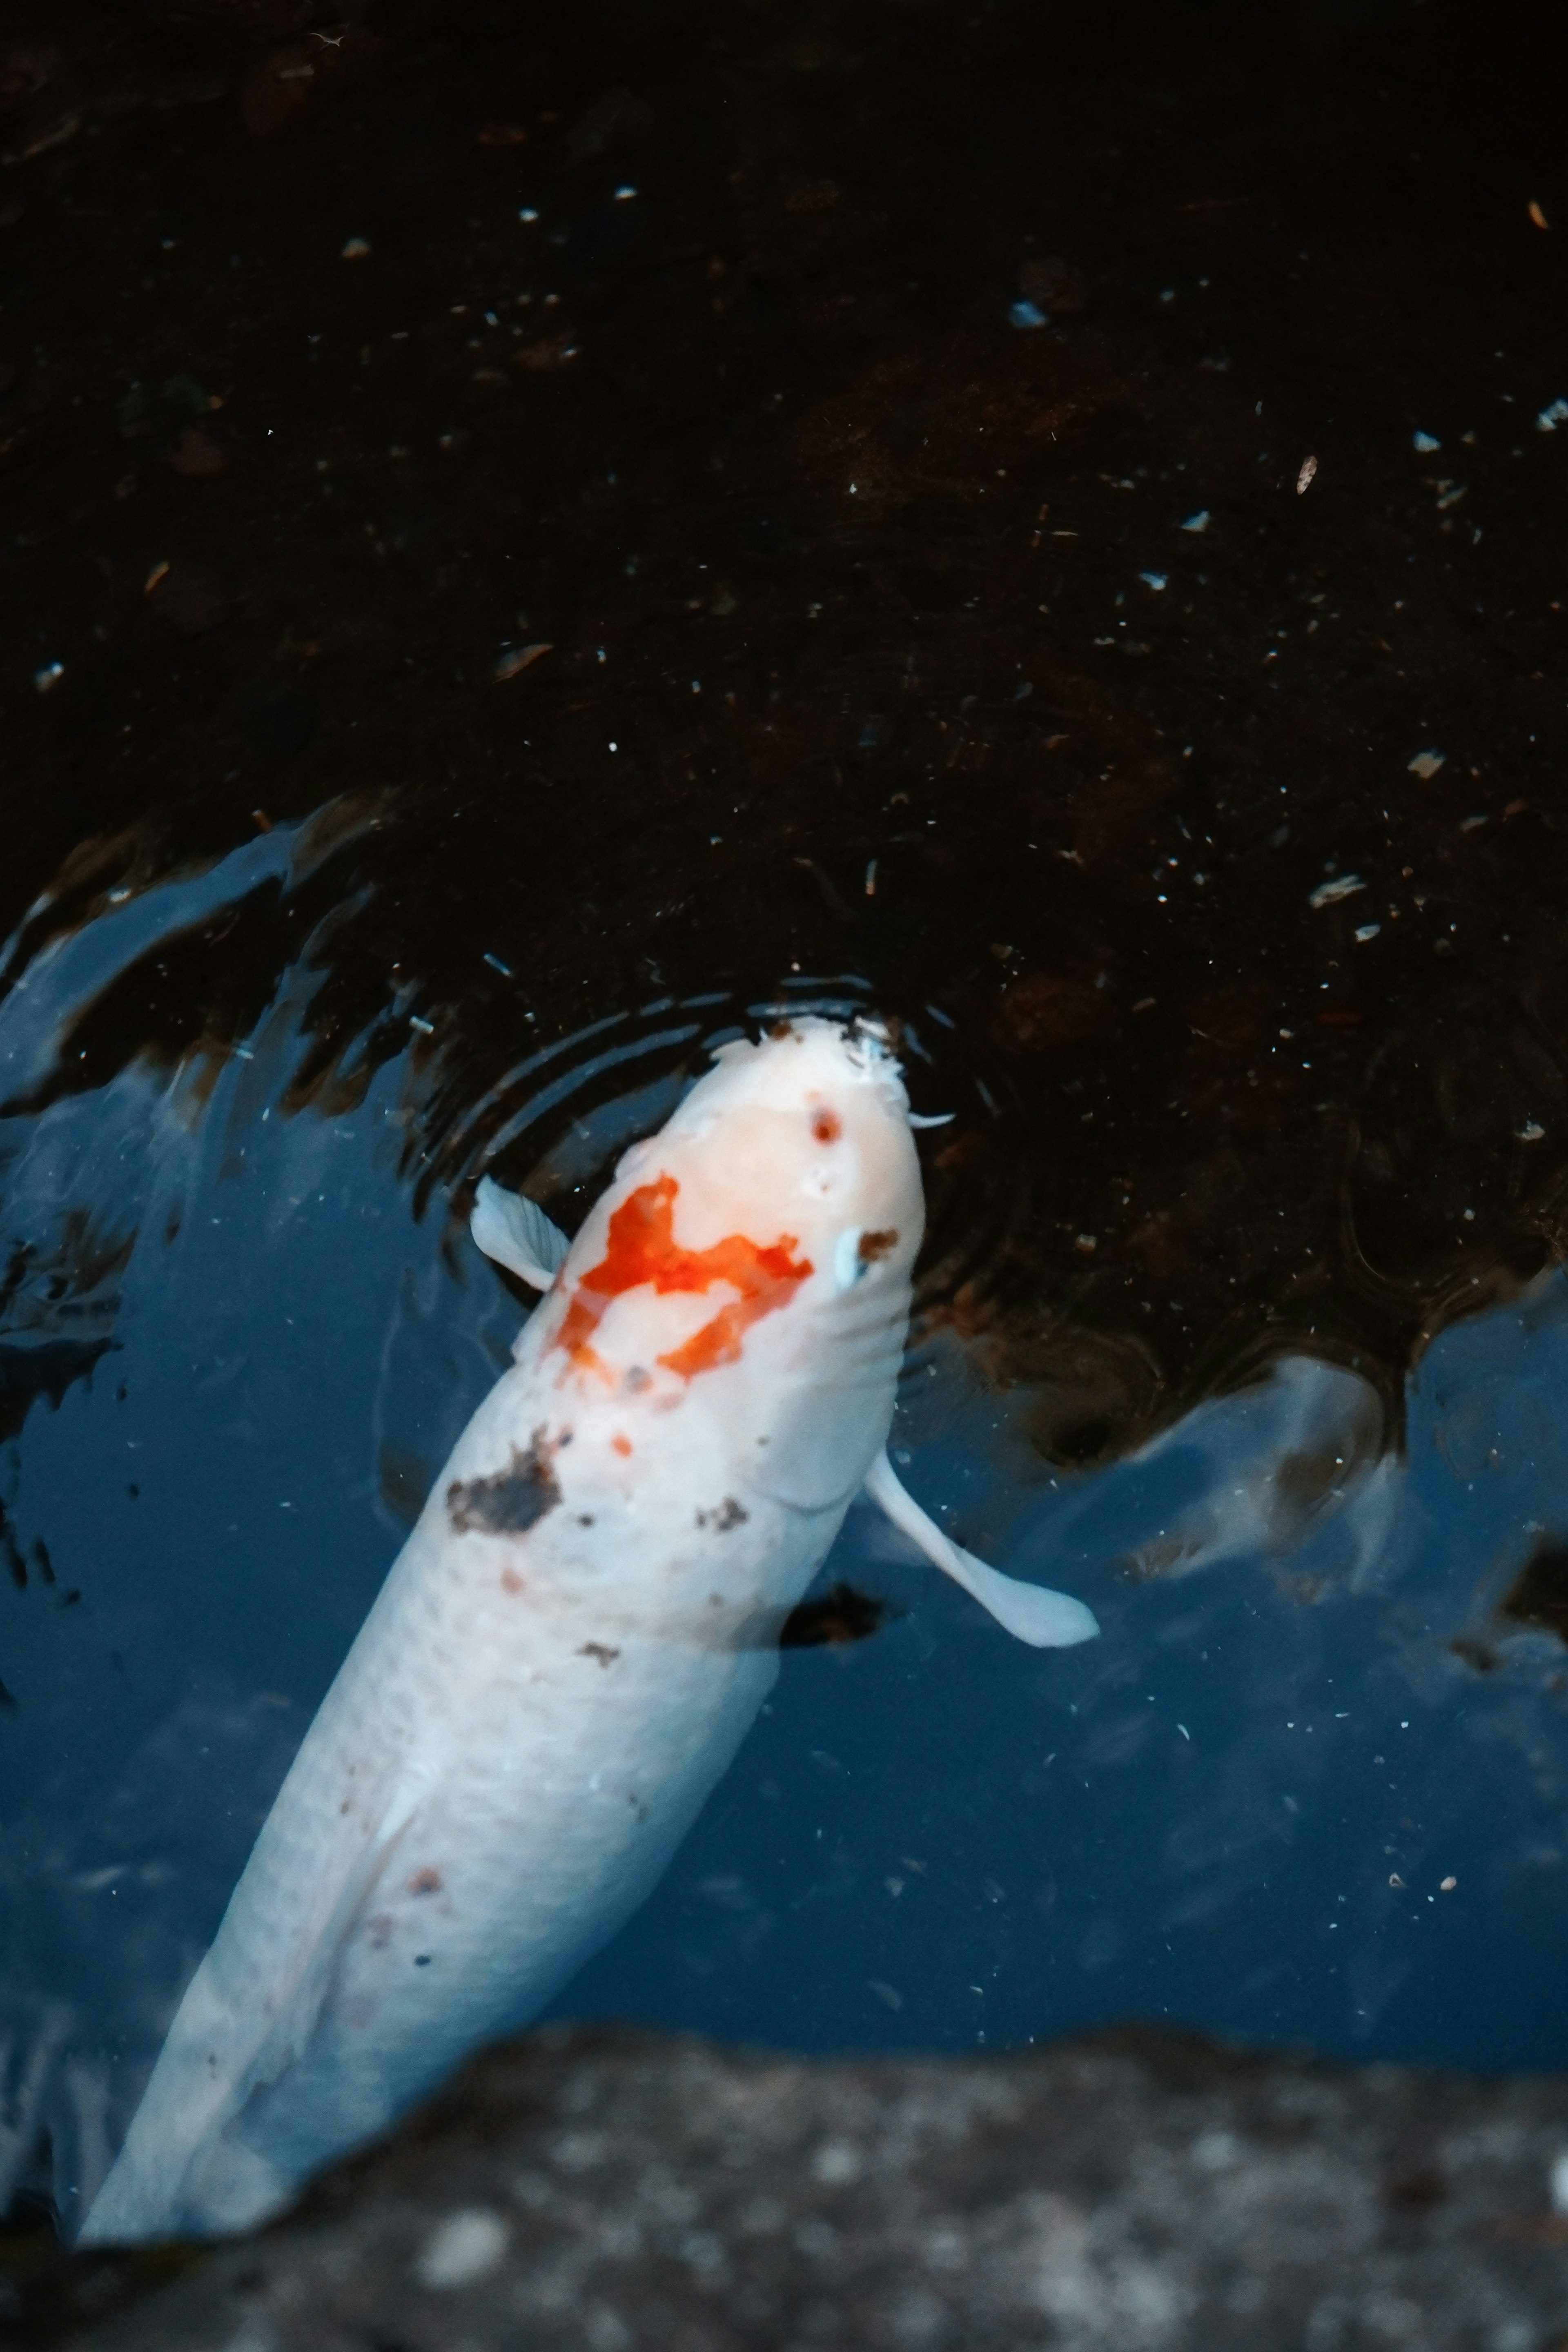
x=1202, y=833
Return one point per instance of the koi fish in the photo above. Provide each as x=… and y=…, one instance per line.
x=579, y=1631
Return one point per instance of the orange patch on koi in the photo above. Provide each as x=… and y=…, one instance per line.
x=642, y=1248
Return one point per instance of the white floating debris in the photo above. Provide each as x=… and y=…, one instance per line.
x=518, y=658
x=1155, y=580
x=1365, y=932
x=1199, y=521
x=1447, y=1885
x=885, y=1993
x=1425, y=443
x=1304, y=478
x=1329, y=894
x=425, y=1028
x=1426, y=763
x=1024, y=314
x=1554, y=414
x=356, y=249
x=527, y=213
x=48, y=678
x=461, y=2249
x=625, y=193
x=1559, y=2181
x=496, y=964
x=1530, y=1132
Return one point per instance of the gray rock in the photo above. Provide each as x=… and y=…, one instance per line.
x=614, y=2190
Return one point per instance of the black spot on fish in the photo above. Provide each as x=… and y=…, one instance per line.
x=421, y=1959
x=1539, y=1595
x=511, y=1502
x=599, y=1650
x=729, y=1514
x=585, y=1518
x=426, y=1882
x=841, y=1615
x=874, y=1246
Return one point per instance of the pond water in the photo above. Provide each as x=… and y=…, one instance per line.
x=1307, y=1786
x=534, y=546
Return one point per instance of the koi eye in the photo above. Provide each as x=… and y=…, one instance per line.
x=826, y=1125
x=849, y=1259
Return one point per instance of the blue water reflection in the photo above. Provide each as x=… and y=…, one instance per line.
x=1238, y=1809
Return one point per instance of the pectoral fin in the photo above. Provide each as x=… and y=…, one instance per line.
x=516, y=1233
x=1046, y=1620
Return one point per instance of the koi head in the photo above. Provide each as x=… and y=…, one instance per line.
x=759, y=1247
x=803, y=1138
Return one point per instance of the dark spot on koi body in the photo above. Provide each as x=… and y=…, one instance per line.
x=638, y=1379
x=585, y=1518
x=421, y=1959
x=426, y=1882
x=599, y=1650
x=380, y=1930
x=877, y=1246
x=841, y=1615
x=509, y=1581
x=511, y=1502
x=826, y=1127
x=729, y=1514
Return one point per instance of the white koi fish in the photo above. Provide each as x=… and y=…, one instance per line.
x=579, y=1631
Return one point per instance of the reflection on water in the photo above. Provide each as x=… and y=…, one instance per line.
x=1309, y=1786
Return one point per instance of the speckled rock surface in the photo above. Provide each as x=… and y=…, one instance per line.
x=612, y=2191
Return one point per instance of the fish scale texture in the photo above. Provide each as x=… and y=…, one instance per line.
x=599, y=2192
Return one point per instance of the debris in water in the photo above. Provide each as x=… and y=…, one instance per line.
x=1329, y=894
x=1536, y=215
x=48, y=678
x=1199, y=521
x=1024, y=315
x=1425, y=441
x=1304, y=478
x=1426, y=763
x=1365, y=932
x=553, y=352
x=520, y=657
x=1554, y=414
x=1155, y=580
x=356, y=249
x=1447, y=1885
